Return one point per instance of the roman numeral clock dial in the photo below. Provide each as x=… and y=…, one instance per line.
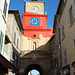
x=34, y=9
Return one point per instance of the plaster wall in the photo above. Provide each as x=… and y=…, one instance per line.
x=67, y=42
x=3, y=21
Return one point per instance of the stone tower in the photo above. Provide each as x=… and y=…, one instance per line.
x=35, y=25
x=34, y=41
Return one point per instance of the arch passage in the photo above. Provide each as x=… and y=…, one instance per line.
x=34, y=66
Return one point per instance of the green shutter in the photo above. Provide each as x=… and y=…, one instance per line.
x=1, y=40
x=6, y=48
x=5, y=8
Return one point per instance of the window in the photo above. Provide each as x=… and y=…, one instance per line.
x=6, y=48
x=0, y=37
x=62, y=31
x=17, y=43
x=54, y=63
x=65, y=57
x=71, y=13
x=71, y=16
x=74, y=1
x=1, y=40
x=74, y=43
x=7, y=40
x=6, y=45
x=34, y=35
x=73, y=8
x=53, y=46
x=16, y=59
x=14, y=38
x=34, y=45
x=5, y=8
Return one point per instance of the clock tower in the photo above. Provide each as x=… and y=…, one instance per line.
x=35, y=45
x=35, y=25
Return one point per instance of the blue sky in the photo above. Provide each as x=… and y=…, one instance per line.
x=35, y=72
x=50, y=7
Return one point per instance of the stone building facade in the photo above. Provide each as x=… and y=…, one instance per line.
x=4, y=5
x=13, y=34
x=64, y=24
x=54, y=56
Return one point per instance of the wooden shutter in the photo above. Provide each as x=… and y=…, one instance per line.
x=62, y=31
x=74, y=43
x=73, y=9
x=0, y=41
x=5, y=8
x=17, y=43
x=65, y=56
x=69, y=19
x=14, y=38
x=6, y=48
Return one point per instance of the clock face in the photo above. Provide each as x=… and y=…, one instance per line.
x=34, y=56
x=34, y=9
x=34, y=21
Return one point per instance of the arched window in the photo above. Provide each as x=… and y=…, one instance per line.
x=34, y=45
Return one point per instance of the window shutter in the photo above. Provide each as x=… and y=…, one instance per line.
x=62, y=30
x=14, y=38
x=5, y=8
x=17, y=43
x=69, y=19
x=73, y=8
x=74, y=43
x=65, y=56
x=6, y=48
x=0, y=41
x=2, y=38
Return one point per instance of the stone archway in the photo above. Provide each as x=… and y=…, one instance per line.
x=37, y=61
x=34, y=66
